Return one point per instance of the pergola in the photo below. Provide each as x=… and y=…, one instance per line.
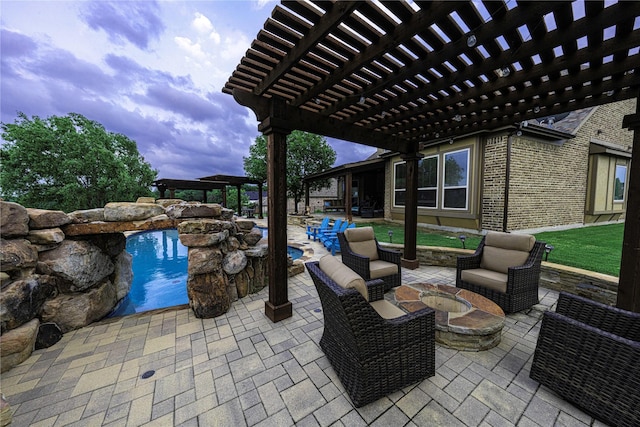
x=209, y=183
x=405, y=75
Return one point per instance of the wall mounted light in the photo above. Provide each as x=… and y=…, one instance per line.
x=462, y=238
x=390, y=232
x=547, y=250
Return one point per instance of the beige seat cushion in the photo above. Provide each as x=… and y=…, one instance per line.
x=387, y=310
x=488, y=279
x=343, y=275
x=381, y=268
x=362, y=241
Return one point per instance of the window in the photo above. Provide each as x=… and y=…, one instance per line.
x=400, y=184
x=456, y=174
x=619, y=183
x=428, y=182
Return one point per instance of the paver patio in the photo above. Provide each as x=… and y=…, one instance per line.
x=242, y=369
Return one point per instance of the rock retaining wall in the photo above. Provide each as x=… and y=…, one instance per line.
x=66, y=271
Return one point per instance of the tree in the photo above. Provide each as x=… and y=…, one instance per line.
x=69, y=163
x=307, y=154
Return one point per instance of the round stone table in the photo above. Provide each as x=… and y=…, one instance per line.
x=464, y=319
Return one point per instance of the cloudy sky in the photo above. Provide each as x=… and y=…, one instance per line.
x=152, y=71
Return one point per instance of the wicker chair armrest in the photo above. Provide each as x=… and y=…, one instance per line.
x=356, y=262
x=623, y=323
x=376, y=289
x=389, y=255
x=403, y=331
x=465, y=262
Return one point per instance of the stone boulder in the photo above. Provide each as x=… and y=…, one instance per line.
x=205, y=226
x=126, y=211
x=145, y=200
x=245, y=224
x=204, y=260
x=199, y=240
x=74, y=311
x=14, y=220
x=16, y=254
x=40, y=219
x=47, y=237
x=253, y=237
x=17, y=345
x=21, y=301
x=234, y=262
x=48, y=334
x=89, y=215
x=123, y=274
x=227, y=214
x=198, y=210
x=208, y=296
x=80, y=263
x=168, y=202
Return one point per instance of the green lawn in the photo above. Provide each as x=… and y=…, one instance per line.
x=597, y=248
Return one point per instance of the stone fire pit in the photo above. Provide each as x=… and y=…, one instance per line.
x=464, y=319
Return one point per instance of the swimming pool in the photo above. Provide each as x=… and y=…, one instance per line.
x=160, y=272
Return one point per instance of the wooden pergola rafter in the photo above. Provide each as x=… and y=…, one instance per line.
x=401, y=75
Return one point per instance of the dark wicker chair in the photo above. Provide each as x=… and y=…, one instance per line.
x=589, y=353
x=369, y=267
x=522, y=279
x=372, y=356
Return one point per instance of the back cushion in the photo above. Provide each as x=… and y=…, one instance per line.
x=362, y=241
x=504, y=250
x=343, y=275
x=516, y=242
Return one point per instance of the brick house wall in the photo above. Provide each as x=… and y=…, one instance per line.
x=493, y=181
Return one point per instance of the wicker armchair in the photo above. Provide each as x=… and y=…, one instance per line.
x=362, y=253
x=372, y=355
x=589, y=353
x=505, y=268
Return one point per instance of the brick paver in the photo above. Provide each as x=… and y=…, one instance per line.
x=242, y=369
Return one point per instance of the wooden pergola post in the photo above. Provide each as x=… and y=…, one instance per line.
x=409, y=259
x=629, y=282
x=239, y=187
x=278, y=307
x=260, y=213
x=347, y=196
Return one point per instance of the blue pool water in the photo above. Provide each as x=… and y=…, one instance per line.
x=160, y=272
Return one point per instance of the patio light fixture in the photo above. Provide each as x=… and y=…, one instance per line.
x=547, y=250
x=462, y=238
x=471, y=40
x=503, y=72
x=457, y=118
x=361, y=100
x=390, y=232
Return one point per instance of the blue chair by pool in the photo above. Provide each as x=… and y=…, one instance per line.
x=314, y=229
x=330, y=235
x=334, y=229
x=333, y=244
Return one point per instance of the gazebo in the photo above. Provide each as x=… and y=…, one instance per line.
x=209, y=183
x=403, y=76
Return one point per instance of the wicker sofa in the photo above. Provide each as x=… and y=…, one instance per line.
x=504, y=268
x=589, y=353
x=374, y=347
x=362, y=253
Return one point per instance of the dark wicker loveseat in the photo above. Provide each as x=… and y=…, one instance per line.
x=362, y=253
x=589, y=353
x=373, y=356
x=504, y=268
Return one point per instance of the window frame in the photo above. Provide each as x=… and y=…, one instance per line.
x=455, y=187
x=624, y=184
